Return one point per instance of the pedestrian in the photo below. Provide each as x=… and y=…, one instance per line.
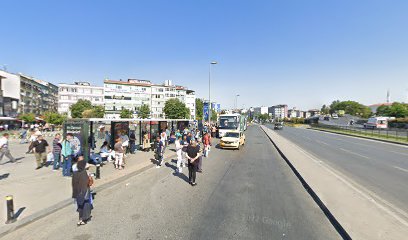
x=132, y=142
x=163, y=138
x=179, y=148
x=146, y=142
x=40, y=147
x=207, y=144
x=159, y=152
x=119, y=152
x=33, y=138
x=81, y=192
x=192, y=155
x=66, y=152
x=23, y=135
x=167, y=136
x=56, y=151
x=4, y=148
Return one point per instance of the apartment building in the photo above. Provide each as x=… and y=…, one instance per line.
x=69, y=94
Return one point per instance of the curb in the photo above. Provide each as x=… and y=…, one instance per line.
x=58, y=206
x=339, y=228
x=345, y=134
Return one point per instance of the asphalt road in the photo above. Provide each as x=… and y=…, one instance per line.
x=380, y=167
x=245, y=194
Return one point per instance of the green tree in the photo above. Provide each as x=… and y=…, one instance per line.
x=126, y=113
x=54, y=118
x=398, y=110
x=144, y=111
x=175, y=109
x=214, y=115
x=199, y=105
x=27, y=117
x=79, y=107
x=98, y=111
x=351, y=107
x=325, y=109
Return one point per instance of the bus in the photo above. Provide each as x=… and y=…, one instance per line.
x=231, y=122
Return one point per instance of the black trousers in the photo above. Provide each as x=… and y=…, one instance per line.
x=192, y=171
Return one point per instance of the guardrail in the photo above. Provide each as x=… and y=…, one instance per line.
x=389, y=134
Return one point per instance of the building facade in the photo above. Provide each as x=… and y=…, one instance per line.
x=278, y=111
x=260, y=110
x=9, y=94
x=69, y=94
x=37, y=96
x=133, y=93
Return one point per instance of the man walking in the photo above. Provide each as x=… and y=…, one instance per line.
x=159, y=152
x=66, y=152
x=56, y=151
x=40, y=146
x=192, y=155
x=207, y=144
x=4, y=148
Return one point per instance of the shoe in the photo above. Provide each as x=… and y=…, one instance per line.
x=180, y=170
x=37, y=168
x=54, y=170
x=158, y=166
x=193, y=184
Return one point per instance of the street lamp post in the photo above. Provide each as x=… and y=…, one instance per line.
x=209, y=91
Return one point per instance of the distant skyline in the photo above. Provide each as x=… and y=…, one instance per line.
x=301, y=53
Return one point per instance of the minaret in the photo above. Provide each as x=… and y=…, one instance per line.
x=388, y=96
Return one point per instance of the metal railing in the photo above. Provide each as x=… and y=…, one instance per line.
x=400, y=135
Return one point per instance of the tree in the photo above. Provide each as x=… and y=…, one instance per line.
x=175, y=109
x=27, y=117
x=79, y=107
x=126, y=113
x=351, y=107
x=199, y=105
x=325, y=109
x=98, y=111
x=398, y=110
x=144, y=111
x=214, y=115
x=54, y=118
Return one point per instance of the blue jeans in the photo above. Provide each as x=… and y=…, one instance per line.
x=66, y=166
x=57, y=161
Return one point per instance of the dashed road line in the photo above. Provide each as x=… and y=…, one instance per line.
x=402, y=169
x=345, y=150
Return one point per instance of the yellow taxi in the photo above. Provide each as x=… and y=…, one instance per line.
x=232, y=140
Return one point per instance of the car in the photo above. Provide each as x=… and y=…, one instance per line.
x=278, y=126
x=327, y=118
x=232, y=140
x=335, y=116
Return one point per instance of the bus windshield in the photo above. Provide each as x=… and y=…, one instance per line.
x=228, y=122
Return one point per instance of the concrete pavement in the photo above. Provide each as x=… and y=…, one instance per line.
x=38, y=192
x=245, y=194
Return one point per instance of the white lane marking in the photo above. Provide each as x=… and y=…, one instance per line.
x=400, y=153
x=354, y=153
x=322, y=142
x=402, y=169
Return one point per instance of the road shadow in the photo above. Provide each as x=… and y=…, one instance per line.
x=175, y=173
x=174, y=150
x=19, y=211
x=154, y=161
x=4, y=176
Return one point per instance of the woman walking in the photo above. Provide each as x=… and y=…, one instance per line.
x=81, y=192
x=119, y=152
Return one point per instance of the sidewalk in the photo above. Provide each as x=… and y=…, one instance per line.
x=35, y=191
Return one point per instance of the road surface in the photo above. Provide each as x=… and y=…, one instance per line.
x=245, y=194
x=380, y=167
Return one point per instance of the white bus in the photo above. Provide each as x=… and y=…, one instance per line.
x=230, y=122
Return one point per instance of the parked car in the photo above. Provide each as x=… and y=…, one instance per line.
x=278, y=126
x=232, y=140
x=335, y=116
x=326, y=118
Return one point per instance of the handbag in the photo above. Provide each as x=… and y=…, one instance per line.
x=90, y=181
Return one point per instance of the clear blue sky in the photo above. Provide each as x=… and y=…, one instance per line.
x=303, y=53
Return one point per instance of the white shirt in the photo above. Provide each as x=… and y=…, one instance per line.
x=3, y=143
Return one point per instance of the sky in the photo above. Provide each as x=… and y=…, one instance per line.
x=300, y=53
